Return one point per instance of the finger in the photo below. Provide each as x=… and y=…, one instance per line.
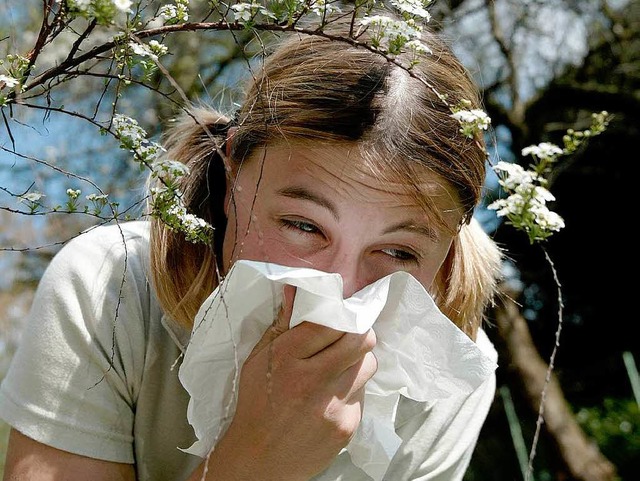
x=356, y=399
x=280, y=323
x=308, y=339
x=347, y=351
x=283, y=319
x=351, y=383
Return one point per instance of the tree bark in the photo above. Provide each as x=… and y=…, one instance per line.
x=582, y=458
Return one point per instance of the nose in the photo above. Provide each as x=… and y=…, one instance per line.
x=353, y=269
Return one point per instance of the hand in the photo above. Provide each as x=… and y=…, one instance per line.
x=300, y=400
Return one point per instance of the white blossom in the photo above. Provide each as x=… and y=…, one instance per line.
x=542, y=195
x=512, y=205
x=123, y=5
x=392, y=27
x=157, y=48
x=31, y=197
x=166, y=168
x=241, y=12
x=168, y=207
x=418, y=48
x=134, y=138
x=244, y=12
x=546, y=219
x=389, y=34
x=324, y=8
x=159, y=191
x=526, y=207
x=544, y=150
x=413, y=7
x=7, y=81
x=129, y=131
x=174, y=13
x=96, y=197
x=73, y=194
x=81, y=5
x=472, y=120
x=515, y=175
x=168, y=12
x=153, y=50
x=149, y=150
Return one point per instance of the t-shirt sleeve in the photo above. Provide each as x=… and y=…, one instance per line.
x=73, y=381
x=439, y=440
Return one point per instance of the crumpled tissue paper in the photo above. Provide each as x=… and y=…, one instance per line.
x=421, y=354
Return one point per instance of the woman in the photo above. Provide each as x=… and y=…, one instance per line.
x=339, y=160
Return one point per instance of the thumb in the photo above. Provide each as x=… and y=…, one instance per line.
x=280, y=323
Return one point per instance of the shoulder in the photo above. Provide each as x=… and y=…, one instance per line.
x=486, y=346
x=80, y=365
x=104, y=266
x=111, y=237
x=115, y=247
x=96, y=291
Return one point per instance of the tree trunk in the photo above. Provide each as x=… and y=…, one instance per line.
x=582, y=458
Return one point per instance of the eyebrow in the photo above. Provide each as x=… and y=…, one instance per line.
x=305, y=194
x=410, y=226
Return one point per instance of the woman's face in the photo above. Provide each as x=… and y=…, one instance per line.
x=317, y=206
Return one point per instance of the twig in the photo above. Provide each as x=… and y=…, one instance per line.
x=543, y=394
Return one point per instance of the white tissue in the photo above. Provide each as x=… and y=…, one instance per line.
x=421, y=354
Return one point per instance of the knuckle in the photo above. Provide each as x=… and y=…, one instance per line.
x=342, y=421
x=343, y=432
x=370, y=364
x=370, y=340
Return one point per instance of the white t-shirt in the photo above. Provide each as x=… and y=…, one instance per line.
x=96, y=374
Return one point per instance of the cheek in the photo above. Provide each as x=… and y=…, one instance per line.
x=237, y=229
x=269, y=245
x=249, y=237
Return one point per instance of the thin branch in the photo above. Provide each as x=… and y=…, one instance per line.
x=550, y=368
x=103, y=221
x=6, y=123
x=41, y=39
x=63, y=67
x=81, y=38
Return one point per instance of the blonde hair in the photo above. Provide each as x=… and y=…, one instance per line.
x=315, y=89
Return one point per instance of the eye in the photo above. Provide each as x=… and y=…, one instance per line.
x=400, y=255
x=300, y=225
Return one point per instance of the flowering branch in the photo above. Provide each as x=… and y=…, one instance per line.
x=525, y=207
x=166, y=198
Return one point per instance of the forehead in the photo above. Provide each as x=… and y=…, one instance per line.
x=352, y=179
x=348, y=168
